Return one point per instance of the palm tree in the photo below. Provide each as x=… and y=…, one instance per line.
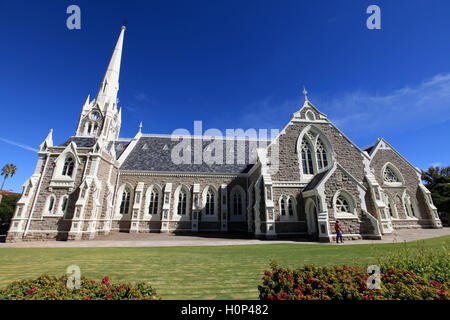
x=7, y=171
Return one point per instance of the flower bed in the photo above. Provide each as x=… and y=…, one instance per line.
x=346, y=283
x=52, y=288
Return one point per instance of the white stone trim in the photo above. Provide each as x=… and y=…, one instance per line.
x=215, y=215
x=146, y=215
x=352, y=214
x=117, y=214
x=286, y=217
x=175, y=215
x=383, y=144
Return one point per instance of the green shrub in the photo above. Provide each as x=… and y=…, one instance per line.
x=7, y=207
x=432, y=264
x=52, y=288
x=346, y=283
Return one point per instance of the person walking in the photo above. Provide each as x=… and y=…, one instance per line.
x=337, y=228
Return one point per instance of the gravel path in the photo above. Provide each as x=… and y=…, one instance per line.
x=169, y=240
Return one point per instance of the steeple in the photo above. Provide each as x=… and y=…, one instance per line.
x=107, y=93
x=101, y=117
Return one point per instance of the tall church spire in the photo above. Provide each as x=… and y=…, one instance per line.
x=102, y=117
x=107, y=94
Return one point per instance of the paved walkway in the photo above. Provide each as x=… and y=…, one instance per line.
x=170, y=240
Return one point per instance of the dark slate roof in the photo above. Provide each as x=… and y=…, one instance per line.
x=369, y=148
x=315, y=181
x=120, y=147
x=80, y=141
x=153, y=153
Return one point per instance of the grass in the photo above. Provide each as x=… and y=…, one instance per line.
x=216, y=272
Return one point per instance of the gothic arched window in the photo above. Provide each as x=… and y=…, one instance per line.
x=64, y=204
x=237, y=203
x=125, y=204
x=307, y=162
x=154, y=201
x=410, y=206
x=282, y=207
x=342, y=204
x=209, y=205
x=290, y=207
x=51, y=204
x=321, y=154
x=391, y=212
x=68, y=166
x=389, y=175
x=182, y=202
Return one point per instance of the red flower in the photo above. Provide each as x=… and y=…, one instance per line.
x=32, y=290
x=105, y=280
x=435, y=283
x=268, y=274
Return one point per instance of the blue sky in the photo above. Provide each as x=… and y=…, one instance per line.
x=231, y=64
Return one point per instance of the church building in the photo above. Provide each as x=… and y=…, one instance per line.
x=296, y=184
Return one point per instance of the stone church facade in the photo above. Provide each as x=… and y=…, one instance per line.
x=295, y=185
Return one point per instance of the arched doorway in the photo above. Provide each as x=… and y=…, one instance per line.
x=311, y=218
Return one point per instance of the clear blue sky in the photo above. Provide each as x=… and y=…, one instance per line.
x=231, y=64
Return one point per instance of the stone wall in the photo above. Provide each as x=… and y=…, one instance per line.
x=188, y=180
x=345, y=152
x=410, y=183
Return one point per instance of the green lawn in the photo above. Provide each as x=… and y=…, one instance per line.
x=225, y=272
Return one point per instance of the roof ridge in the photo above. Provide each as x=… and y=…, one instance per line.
x=201, y=137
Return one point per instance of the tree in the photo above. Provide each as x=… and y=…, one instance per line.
x=7, y=207
x=437, y=180
x=7, y=171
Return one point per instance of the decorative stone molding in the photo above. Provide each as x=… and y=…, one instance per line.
x=224, y=208
x=166, y=208
x=250, y=222
x=432, y=210
x=136, y=209
x=195, y=206
x=256, y=207
x=80, y=205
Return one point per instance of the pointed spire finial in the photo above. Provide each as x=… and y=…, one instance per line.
x=140, y=127
x=124, y=23
x=305, y=93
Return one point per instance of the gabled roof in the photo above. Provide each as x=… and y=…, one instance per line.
x=323, y=176
x=377, y=145
x=120, y=146
x=316, y=180
x=154, y=153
